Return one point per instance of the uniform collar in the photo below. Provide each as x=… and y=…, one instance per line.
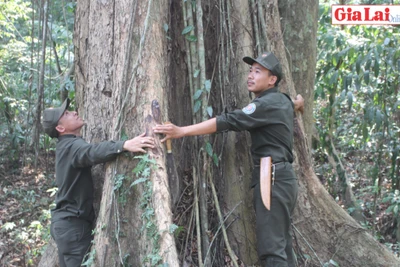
x=271, y=90
x=65, y=136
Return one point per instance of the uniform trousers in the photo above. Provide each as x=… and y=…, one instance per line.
x=273, y=227
x=73, y=237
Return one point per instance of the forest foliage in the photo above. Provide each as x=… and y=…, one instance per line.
x=356, y=141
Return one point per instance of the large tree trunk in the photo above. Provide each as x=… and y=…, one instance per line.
x=129, y=53
x=299, y=25
x=122, y=63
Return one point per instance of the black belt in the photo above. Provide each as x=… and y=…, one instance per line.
x=277, y=165
x=274, y=164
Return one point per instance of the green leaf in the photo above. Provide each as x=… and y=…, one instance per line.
x=342, y=96
x=349, y=80
x=329, y=39
x=366, y=77
x=343, y=52
x=358, y=65
x=386, y=199
x=207, y=85
x=390, y=209
x=339, y=42
x=334, y=263
x=197, y=94
x=376, y=98
x=187, y=29
x=357, y=82
x=334, y=59
x=368, y=64
x=370, y=114
x=138, y=181
x=376, y=67
x=209, y=149
x=118, y=181
x=210, y=111
x=351, y=53
x=378, y=50
x=215, y=159
x=345, y=85
x=8, y=226
x=396, y=210
x=351, y=210
x=334, y=78
x=191, y=38
x=124, y=137
x=166, y=27
x=387, y=41
x=350, y=100
x=196, y=73
x=172, y=228
x=146, y=172
x=148, y=214
x=197, y=106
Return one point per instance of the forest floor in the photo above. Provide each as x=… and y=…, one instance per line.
x=26, y=197
x=25, y=203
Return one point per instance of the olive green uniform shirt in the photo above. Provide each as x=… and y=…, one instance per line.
x=74, y=158
x=269, y=119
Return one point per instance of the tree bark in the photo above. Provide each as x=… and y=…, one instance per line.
x=234, y=176
x=121, y=65
x=49, y=257
x=37, y=126
x=299, y=26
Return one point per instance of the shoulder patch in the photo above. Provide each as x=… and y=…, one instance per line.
x=249, y=109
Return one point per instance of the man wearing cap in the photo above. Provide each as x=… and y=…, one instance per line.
x=269, y=118
x=72, y=218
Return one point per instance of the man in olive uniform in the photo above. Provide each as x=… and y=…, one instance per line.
x=269, y=119
x=72, y=218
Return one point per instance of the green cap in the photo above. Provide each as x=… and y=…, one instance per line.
x=51, y=116
x=269, y=61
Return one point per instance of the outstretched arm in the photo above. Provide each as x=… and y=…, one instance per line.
x=85, y=155
x=172, y=131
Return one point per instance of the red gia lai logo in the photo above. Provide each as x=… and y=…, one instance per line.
x=366, y=14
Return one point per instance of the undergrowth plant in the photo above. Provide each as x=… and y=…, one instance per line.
x=142, y=172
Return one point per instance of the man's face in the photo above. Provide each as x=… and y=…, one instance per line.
x=260, y=79
x=69, y=122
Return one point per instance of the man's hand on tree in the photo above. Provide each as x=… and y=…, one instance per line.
x=171, y=131
x=138, y=143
